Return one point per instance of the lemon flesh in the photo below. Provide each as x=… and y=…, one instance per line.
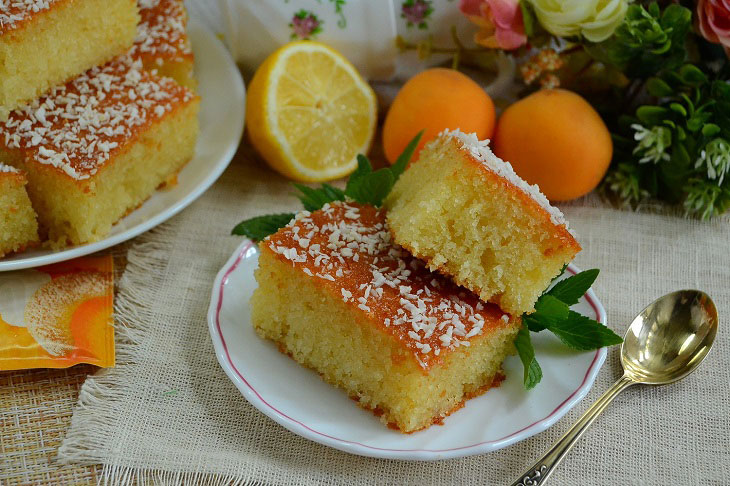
x=310, y=113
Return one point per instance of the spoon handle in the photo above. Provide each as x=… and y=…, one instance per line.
x=538, y=473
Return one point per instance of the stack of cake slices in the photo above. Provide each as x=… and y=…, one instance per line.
x=412, y=308
x=96, y=112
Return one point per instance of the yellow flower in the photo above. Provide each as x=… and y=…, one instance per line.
x=595, y=20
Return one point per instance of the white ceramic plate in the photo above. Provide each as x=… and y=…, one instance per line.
x=221, y=125
x=299, y=400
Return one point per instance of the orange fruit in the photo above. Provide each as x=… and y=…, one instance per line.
x=555, y=139
x=434, y=100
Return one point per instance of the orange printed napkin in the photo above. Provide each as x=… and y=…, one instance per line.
x=58, y=315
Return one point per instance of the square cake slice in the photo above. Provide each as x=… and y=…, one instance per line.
x=469, y=216
x=338, y=296
x=162, y=43
x=97, y=147
x=44, y=43
x=18, y=226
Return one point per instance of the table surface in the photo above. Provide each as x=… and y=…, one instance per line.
x=35, y=411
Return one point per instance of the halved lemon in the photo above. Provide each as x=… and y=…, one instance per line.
x=310, y=112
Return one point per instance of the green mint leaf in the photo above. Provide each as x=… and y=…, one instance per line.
x=372, y=188
x=583, y=333
x=260, y=227
x=533, y=322
x=363, y=169
x=533, y=372
x=314, y=199
x=335, y=193
x=548, y=311
x=402, y=162
x=571, y=289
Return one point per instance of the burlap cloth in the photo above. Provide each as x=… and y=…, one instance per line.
x=169, y=413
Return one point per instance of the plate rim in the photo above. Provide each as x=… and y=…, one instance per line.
x=238, y=91
x=353, y=447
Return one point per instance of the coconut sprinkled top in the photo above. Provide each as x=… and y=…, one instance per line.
x=8, y=169
x=347, y=248
x=161, y=31
x=481, y=151
x=78, y=126
x=14, y=12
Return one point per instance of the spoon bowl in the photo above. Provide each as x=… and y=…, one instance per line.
x=669, y=338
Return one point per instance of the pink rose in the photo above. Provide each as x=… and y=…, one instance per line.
x=714, y=21
x=500, y=22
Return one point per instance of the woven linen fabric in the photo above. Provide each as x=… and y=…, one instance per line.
x=167, y=413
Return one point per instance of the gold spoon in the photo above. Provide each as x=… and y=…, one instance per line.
x=664, y=343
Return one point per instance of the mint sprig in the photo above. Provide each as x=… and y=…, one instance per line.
x=533, y=372
x=572, y=289
x=314, y=199
x=583, y=333
x=260, y=227
x=364, y=186
x=552, y=312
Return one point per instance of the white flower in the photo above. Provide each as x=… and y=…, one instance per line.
x=716, y=155
x=595, y=20
x=653, y=143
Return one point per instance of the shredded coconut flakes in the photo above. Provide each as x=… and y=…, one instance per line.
x=13, y=12
x=425, y=311
x=78, y=126
x=161, y=31
x=8, y=169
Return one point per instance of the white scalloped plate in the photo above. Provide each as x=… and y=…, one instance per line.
x=222, y=110
x=299, y=400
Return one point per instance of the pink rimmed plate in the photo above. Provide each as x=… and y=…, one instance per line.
x=299, y=400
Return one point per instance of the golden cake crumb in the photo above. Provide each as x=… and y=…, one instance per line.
x=469, y=216
x=18, y=226
x=44, y=43
x=340, y=297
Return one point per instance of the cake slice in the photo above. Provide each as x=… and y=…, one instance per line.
x=96, y=148
x=44, y=43
x=468, y=215
x=338, y=296
x=18, y=226
x=162, y=43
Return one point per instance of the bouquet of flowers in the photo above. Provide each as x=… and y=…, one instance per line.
x=657, y=72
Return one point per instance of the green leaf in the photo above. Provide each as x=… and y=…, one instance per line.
x=402, y=162
x=677, y=108
x=654, y=9
x=532, y=321
x=548, y=310
x=692, y=75
x=260, y=227
x=571, y=289
x=659, y=88
x=583, y=333
x=710, y=129
x=533, y=372
x=314, y=199
x=335, y=193
x=651, y=115
x=372, y=188
x=528, y=19
x=363, y=168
